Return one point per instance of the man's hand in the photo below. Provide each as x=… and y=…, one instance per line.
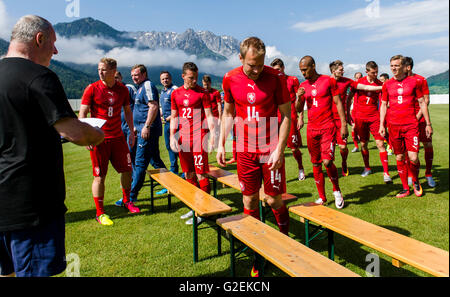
x=221, y=157
x=275, y=160
x=428, y=131
x=382, y=130
x=300, y=123
x=131, y=139
x=174, y=145
x=145, y=133
x=300, y=92
x=344, y=132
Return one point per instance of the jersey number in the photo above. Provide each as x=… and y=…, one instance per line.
x=198, y=160
x=110, y=111
x=315, y=103
x=187, y=113
x=252, y=113
x=400, y=99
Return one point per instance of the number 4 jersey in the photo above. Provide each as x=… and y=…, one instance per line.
x=106, y=103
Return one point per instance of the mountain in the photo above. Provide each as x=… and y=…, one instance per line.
x=439, y=84
x=3, y=46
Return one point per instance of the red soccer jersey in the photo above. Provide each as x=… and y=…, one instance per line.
x=215, y=101
x=401, y=97
x=292, y=85
x=425, y=91
x=106, y=103
x=256, y=104
x=366, y=102
x=343, y=84
x=319, y=100
x=190, y=105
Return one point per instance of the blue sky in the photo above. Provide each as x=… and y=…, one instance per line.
x=354, y=31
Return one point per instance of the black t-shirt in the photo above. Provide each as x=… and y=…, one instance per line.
x=32, y=186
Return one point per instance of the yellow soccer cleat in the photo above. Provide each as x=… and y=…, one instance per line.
x=104, y=220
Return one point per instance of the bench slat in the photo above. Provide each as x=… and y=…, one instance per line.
x=196, y=199
x=400, y=247
x=286, y=253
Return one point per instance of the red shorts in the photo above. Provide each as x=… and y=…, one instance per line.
x=404, y=138
x=364, y=127
x=114, y=150
x=194, y=162
x=252, y=167
x=294, y=140
x=321, y=144
x=422, y=133
x=339, y=139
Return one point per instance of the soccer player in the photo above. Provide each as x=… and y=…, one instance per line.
x=356, y=76
x=398, y=101
x=294, y=141
x=367, y=117
x=320, y=92
x=105, y=99
x=384, y=77
x=427, y=141
x=191, y=104
x=216, y=100
x=253, y=95
x=344, y=84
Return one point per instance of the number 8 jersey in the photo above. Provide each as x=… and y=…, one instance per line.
x=106, y=103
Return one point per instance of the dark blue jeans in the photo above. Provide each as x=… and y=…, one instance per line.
x=172, y=155
x=147, y=152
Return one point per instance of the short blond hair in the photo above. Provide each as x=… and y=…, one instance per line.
x=252, y=42
x=111, y=63
x=399, y=57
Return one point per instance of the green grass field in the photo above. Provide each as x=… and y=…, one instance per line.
x=160, y=244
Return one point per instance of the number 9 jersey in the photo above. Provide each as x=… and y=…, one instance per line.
x=106, y=103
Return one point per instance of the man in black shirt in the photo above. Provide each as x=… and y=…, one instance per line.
x=34, y=114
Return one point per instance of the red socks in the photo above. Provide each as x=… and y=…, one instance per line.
x=414, y=170
x=126, y=195
x=252, y=212
x=333, y=175
x=282, y=217
x=429, y=154
x=355, y=140
x=403, y=174
x=320, y=181
x=204, y=185
x=344, y=155
x=192, y=181
x=298, y=156
x=384, y=161
x=365, y=155
x=99, y=206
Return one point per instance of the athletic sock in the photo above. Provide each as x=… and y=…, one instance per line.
x=355, y=140
x=333, y=175
x=252, y=212
x=320, y=181
x=403, y=174
x=282, y=217
x=414, y=170
x=99, y=205
x=429, y=154
x=193, y=181
x=126, y=195
x=298, y=156
x=365, y=155
x=204, y=185
x=344, y=155
x=384, y=161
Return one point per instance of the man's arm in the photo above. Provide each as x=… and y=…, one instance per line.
x=78, y=132
x=427, y=101
x=151, y=116
x=383, y=108
x=276, y=158
x=129, y=119
x=211, y=127
x=174, y=146
x=84, y=111
x=424, y=108
x=226, y=125
x=341, y=112
x=368, y=88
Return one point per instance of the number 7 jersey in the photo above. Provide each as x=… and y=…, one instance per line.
x=106, y=103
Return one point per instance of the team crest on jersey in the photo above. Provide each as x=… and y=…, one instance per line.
x=111, y=100
x=242, y=186
x=400, y=91
x=314, y=92
x=97, y=170
x=186, y=102
x=251, y=98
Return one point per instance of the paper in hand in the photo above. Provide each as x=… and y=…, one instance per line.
x=94, y=122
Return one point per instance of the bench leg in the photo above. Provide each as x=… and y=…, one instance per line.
x=331, y=244
x=219, y=240
x=169, y=201
x=307, y=232
x=195, y=237
x=214, y=182
x=232, y=258
x=262, y=212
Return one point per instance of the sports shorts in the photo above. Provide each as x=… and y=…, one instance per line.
x=364, y=127
x=114, y=150
x=339, y=139
x=422, y=133
x=252, y=169
x=34, y=252
x=294, y=140
x=321, y=144
x=404, y=138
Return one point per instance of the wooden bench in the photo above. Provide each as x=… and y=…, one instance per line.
x=231, y=180
x=402, y=249
x=284, y=252
x=203, y=204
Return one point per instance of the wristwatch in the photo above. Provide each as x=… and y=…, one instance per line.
x=147, y=126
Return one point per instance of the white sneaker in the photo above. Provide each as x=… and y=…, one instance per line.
x=199, y=221
x=410, y=181
x=431, y=182
x=319, y=201
x=338, y=199
x=355, y=149
x=301, y=174
x=187, y=215
x=366, y=172
x=387, y=179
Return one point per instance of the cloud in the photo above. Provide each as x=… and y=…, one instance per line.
x=5, y=23
x=403, y=19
